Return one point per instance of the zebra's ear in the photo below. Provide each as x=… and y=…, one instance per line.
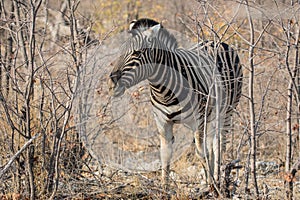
x=132, y=23
x=152, y=31
x=156, y=28
x=131, y=30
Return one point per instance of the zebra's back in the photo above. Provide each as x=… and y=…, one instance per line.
x=228, y=63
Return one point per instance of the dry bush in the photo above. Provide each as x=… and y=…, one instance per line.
x=57, y=164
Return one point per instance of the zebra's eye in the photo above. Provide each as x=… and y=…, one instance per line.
x=115, y=76
x=136, y=53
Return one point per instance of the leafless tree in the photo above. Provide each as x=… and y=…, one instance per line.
x=252, y=44
x=291, y=32
x=43, y=49
x=34, y=101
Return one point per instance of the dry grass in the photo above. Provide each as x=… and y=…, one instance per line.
x=80, y=173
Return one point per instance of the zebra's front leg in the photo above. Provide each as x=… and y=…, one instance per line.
x=166, y=141
x=203, y=155
x=205, y=149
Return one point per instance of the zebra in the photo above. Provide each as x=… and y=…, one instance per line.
x=188, y=86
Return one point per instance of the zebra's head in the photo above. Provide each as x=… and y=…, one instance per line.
x=142, y=25
x=125, y=73
x=135, y=62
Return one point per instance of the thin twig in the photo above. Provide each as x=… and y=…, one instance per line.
x=13, y=158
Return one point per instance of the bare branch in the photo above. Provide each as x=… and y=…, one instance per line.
x=13, y=158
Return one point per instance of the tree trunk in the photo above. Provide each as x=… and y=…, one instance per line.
x=251, y=101
x=289, y=184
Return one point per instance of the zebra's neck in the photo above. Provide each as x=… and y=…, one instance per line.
x=164, y=64
x=168, y=80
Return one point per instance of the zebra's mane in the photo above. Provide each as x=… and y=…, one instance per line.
x=167, y=38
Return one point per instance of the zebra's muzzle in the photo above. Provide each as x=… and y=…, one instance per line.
x=115, y=89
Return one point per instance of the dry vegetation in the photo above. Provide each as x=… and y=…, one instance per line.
x=46, y=62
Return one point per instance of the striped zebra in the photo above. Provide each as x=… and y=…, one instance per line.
x=188, y=86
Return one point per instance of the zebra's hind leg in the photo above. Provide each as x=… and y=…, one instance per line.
x=166, y=141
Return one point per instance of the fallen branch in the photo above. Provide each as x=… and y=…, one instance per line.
x=228, y=184
x=12, y=159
